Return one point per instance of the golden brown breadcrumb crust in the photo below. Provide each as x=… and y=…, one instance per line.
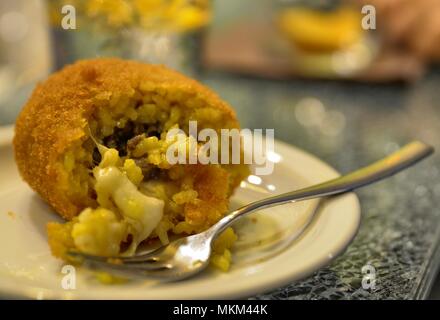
x=55, y=117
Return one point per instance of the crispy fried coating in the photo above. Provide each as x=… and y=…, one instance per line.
x=56, y=116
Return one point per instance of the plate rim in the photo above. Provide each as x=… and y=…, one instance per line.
x=9, y=290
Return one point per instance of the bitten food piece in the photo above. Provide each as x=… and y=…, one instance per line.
x=92, y=141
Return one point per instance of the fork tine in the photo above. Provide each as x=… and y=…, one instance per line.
x=129, y=271
x=147, y=257
x=129, y=267
x=141, y=260
x=145, y=264
x=80, y=257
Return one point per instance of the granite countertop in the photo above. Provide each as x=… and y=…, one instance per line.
x=350, y=125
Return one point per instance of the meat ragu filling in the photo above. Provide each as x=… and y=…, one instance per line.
x=122, y=179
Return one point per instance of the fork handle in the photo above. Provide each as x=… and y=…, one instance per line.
x=397, y=161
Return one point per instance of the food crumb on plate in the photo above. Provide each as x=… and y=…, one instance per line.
x=221, y=256
x=12, y=215
x=107, y=278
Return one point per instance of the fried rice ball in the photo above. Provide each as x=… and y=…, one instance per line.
x=128, y=106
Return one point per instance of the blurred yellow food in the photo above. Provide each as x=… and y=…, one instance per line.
x=116, y=12
x=170, y=15
x=322, y=31
x=177, y=15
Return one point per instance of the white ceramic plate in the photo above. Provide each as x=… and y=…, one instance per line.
x=267, y=255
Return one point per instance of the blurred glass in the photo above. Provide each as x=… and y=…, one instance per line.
x=24, y=53
x=155, y=31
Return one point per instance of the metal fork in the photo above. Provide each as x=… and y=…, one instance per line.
x=188, y=256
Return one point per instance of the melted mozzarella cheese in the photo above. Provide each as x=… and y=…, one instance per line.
x=123, y=211
x=142, y=213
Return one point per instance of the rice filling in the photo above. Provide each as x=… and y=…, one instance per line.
x=138, y=194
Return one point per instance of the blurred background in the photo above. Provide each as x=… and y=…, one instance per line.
x=359, y=41
x=349, y=81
